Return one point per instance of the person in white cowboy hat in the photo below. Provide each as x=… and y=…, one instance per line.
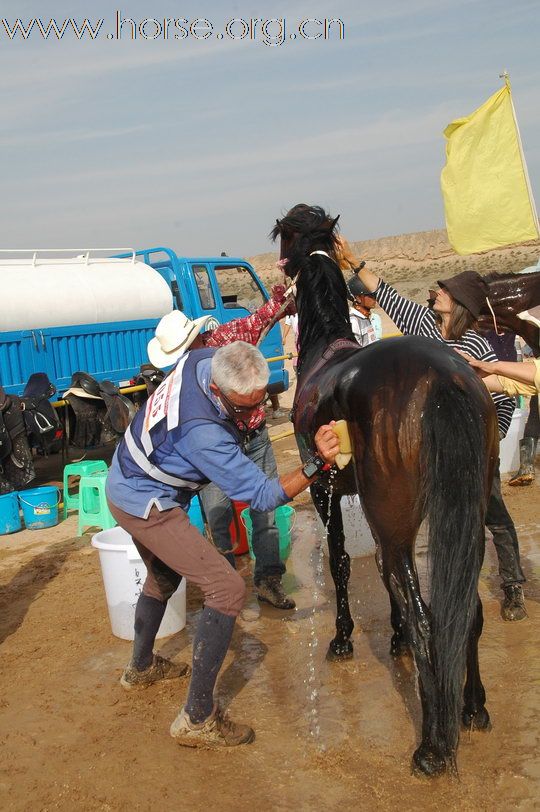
x=188, y=434
x=175, y=334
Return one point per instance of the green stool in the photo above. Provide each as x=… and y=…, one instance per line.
x=71, y=502
x=93, y=508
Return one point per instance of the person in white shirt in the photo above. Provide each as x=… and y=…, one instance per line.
x=366, y=326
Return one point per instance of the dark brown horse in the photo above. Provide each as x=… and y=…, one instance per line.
x=424, y=435
x=510, y=294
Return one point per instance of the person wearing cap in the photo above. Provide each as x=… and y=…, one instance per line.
x=175, y=335
x=366, y=325
x=188, y=434
x=451, y=320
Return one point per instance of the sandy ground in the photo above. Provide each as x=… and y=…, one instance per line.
x=329, y=735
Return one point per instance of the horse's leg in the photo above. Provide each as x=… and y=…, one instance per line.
x=402, y=581
x=398, y=643
x=329, y=510
x=475, y=714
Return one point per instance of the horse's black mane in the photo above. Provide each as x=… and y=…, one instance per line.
x=321, y=289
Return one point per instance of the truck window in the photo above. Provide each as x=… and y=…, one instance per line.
x=238, y=288
x=204, y=287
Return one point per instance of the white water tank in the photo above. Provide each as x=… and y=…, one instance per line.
x=40, y=293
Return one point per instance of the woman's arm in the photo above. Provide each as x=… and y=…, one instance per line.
x=370, y=280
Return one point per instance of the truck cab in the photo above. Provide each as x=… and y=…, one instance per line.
x=224, y=288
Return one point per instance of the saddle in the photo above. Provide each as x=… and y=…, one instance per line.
x=43, y=427
x=16, y=462
x=101, y=413
x=151, y=377
x=303, y=393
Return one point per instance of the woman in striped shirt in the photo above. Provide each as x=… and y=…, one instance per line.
x=451, y=321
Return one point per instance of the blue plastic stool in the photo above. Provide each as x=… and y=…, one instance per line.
x=73, y=469
x=93, y=508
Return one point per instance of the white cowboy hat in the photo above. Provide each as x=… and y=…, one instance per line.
x=174, y=335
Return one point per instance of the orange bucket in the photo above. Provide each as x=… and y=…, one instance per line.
x=238, y=530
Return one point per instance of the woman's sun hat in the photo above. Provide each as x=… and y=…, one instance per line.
x=468, y=288
x=174, y=335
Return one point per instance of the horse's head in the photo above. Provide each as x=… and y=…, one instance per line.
x=510, y=294
x=302, y=230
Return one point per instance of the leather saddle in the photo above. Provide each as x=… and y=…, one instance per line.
x=101, y=412
x=43, y=427
x=151, y=377
x=16, y=463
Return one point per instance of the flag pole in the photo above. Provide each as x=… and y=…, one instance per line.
x=504, y=75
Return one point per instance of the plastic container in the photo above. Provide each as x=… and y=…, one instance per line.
x=124, y=574
x=40, y=507
x=284, y=517
x=509, y=447
x=358, y=539
x=195, y=514
x=237, y=529
x=10, y=520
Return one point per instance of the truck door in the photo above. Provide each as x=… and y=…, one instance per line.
x=242, y=293
x=207, y=299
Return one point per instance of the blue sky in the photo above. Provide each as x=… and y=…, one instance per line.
x=199, y=144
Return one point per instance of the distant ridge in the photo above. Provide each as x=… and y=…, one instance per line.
x=420, y=256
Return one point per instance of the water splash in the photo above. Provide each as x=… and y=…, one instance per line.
x=312, y=682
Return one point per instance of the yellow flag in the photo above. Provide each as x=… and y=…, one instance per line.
x=485, y=186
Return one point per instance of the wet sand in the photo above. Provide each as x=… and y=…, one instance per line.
x=329, y=735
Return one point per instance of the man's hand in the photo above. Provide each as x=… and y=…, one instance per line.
x=327, y=443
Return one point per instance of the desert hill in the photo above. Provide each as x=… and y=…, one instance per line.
x=413, y=261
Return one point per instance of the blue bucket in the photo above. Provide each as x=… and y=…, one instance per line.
x=10, y=520
x=195, y=514
x=40, y=507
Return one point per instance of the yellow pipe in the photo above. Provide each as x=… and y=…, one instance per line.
x=282, y=435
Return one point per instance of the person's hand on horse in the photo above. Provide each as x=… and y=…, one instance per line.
x=327, y=442
x=483, y=368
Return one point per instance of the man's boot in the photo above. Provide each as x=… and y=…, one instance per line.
x=527, y=450
x=513, y=606
x=270, y=591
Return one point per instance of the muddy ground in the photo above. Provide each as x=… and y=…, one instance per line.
x=329, y=735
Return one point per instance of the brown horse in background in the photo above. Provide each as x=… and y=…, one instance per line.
x=425, y=439
x=510, y=294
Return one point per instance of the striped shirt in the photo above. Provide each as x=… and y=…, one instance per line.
x=418, y=320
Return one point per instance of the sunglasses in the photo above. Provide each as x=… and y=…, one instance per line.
x=235, y=409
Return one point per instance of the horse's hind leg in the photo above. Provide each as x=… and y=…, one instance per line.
x=475, y=714
x=402, y=581
x=398, y=644
x=329, y=510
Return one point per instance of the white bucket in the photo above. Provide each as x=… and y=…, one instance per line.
x=509, y=448
x=358, y=538
x=124, y=574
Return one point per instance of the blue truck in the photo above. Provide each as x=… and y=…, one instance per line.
x=97, y=313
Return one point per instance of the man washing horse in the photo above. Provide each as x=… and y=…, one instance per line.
x=189, y=434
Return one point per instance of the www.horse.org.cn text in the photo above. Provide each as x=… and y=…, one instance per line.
x=272, y=32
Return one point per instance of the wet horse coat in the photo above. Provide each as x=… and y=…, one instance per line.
x=425, y=438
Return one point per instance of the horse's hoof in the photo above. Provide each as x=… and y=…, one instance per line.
x=398, y=646
x=427, y=763
x=339, y=651
x=476, y=720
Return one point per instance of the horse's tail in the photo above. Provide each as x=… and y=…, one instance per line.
x=455, y=460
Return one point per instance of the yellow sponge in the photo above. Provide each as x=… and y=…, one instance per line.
x=345, y=447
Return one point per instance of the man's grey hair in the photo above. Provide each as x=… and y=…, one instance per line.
x=240, y=367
